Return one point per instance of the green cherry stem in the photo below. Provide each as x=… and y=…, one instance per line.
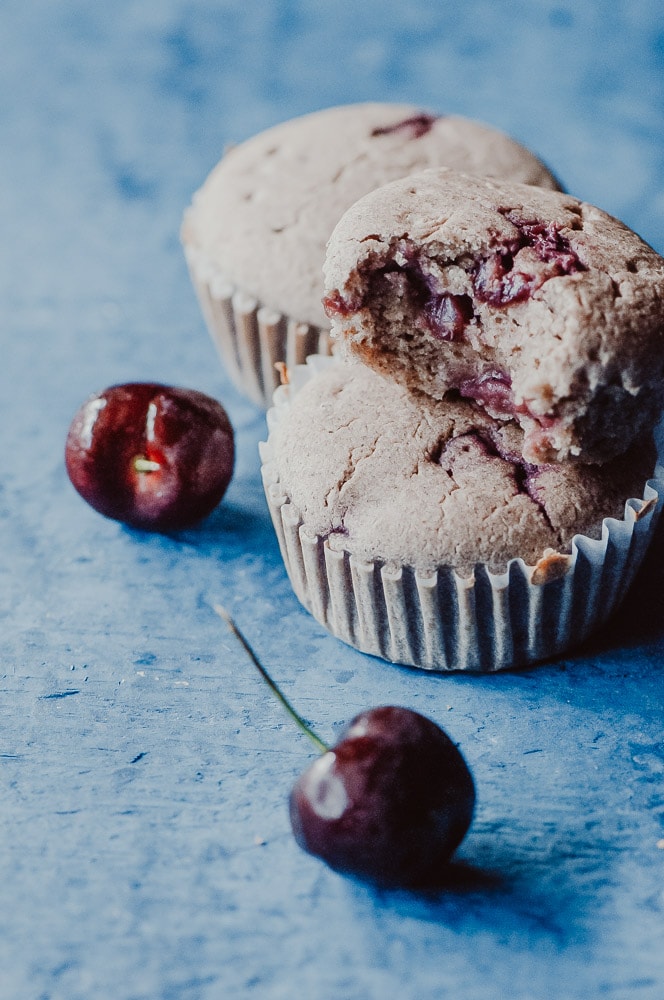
x=318, y=743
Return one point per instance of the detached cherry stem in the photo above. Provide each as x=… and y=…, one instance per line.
x=297, y=718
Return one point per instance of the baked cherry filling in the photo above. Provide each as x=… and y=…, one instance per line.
x=403, y=291
x=511, y=272
x=479, y=445
x=444, y=314
x=414, y=127
x=335, y=304
x=509, y=275
x=492, y=390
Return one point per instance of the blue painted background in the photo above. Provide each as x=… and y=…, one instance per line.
x=145, y=850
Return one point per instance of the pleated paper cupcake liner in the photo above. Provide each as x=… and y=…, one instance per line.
x=251, y=339
x=441, y=621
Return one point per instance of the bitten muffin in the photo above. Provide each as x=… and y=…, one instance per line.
x=538, y=307
x=256, y=231
x=417, y=532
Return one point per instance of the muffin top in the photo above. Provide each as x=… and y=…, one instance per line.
x=393, y=476
x=541, y=308
x=264, y=215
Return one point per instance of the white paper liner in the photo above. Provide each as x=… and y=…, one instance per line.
x=251, y=339
x=442, y=622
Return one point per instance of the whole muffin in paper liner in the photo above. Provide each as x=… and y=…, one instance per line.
x=416, y=532
x=255, y=233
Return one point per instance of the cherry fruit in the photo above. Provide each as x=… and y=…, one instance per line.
x=152, y=456
x=389, y=803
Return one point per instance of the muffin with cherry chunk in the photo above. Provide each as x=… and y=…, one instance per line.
x=255, y=233
x=415, y=529
x=153, y=456
x=539, y=308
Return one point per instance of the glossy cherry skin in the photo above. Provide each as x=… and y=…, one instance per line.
x=389, y=803
x=152, y=456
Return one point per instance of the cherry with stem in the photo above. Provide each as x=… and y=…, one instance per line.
x=389, y=803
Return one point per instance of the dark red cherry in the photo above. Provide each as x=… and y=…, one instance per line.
x=152, y=456
x=389, y=803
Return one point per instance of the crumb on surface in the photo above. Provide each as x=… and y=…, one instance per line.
x=552, y=566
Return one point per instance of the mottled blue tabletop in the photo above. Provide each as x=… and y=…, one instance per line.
x=145, y=847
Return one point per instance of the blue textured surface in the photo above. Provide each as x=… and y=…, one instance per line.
x=145, y=848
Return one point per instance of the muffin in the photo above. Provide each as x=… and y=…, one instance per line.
x=540, y=308
x=417, y=532
x=255, y=234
